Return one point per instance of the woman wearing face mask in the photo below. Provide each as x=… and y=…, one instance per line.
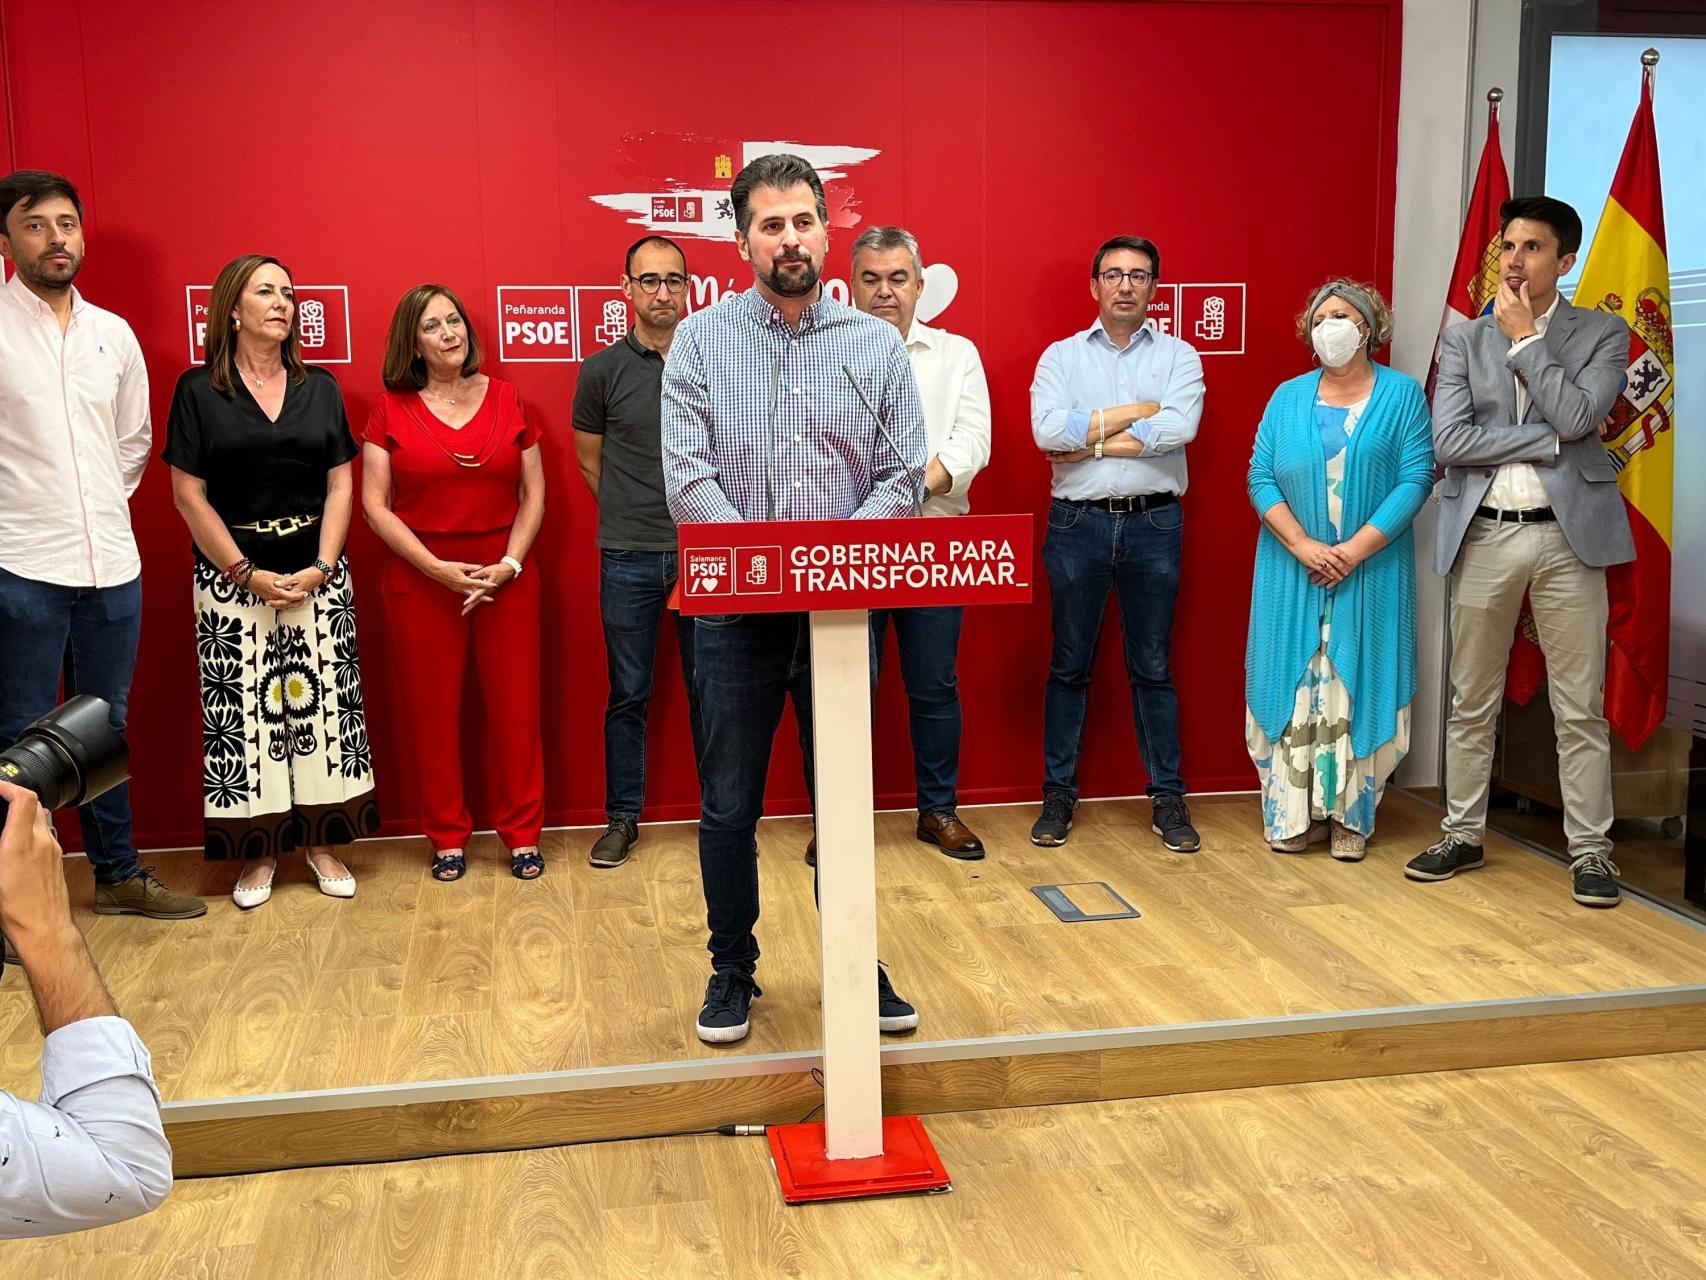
x=260, y=453
x=453, y=483
x=1343, y=460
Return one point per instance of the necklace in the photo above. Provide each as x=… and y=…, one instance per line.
x=460, y=459
x=259, y=381
x=442, y=399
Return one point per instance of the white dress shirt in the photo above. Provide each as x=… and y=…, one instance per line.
x=950, y=380
x=1516, y=485
x=74, y=437
x=92, y=1151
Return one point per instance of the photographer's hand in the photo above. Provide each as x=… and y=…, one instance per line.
x=35, y=913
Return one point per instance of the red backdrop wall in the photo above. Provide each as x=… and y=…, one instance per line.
x=375, y=146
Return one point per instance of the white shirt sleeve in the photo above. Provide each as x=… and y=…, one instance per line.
x=132, y=425
x=965, y=452
x=92, y=1151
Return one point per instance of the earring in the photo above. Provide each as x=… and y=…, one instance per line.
x=236, y=325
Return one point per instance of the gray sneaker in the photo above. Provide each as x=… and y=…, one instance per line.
x=611, y=848
x=1594, y=880
x=1444, y=859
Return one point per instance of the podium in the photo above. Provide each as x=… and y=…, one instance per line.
x=837, y=571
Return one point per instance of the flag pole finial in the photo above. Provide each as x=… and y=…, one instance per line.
x=1650, y=58
x=1495, y=95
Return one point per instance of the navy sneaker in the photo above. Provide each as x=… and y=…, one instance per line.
x=1056, y=820
x=1595, y=880
x=1444, y=859
x=723, y=1019
x=893, y=1013
x=1172, y=822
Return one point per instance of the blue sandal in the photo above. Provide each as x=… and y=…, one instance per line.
x=527, y=866
x=448, y=866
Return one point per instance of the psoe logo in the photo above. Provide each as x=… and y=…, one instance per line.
x=322, y=322
x=710, y=572
x=758, y=571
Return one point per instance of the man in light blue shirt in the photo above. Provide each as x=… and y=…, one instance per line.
x=1114, y=408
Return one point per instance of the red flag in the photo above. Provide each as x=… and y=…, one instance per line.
x=1475, y=276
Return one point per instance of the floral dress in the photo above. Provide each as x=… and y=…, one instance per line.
x=1310, y=774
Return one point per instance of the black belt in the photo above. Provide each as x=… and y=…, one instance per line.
x=1125, y=504
x=1528, y=515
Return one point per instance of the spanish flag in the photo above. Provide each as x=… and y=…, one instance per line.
x=1628, y=272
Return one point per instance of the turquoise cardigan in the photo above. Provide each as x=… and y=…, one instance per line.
x=1389, y=472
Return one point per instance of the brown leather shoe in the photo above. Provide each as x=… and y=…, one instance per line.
x=143, y=895
x=950, y=835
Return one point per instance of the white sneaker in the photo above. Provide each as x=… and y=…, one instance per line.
x=255, y=895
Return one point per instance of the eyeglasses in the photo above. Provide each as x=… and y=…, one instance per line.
x=675, y=282
x=1112, y=277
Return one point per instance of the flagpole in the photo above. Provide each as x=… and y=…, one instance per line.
x=1495, y=95
x=1650, y=61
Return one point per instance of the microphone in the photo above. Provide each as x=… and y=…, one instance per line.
x=917, y=481
x=770, y=441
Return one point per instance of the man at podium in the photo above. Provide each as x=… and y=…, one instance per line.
x=778, y=404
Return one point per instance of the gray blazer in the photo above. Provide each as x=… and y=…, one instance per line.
x=1574, y=375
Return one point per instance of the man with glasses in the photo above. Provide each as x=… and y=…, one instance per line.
x=1114, y=407
x=618, y=447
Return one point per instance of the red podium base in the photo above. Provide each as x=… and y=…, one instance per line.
x=909, y=1164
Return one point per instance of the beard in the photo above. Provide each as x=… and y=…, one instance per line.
x=795, y=286
x=56, y=276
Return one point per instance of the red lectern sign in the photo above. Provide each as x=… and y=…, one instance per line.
x=786, y=566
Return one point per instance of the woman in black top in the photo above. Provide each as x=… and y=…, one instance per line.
x=260, y=452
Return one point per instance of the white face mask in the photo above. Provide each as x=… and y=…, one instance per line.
x=1336, y=341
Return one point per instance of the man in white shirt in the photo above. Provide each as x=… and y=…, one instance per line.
x=92, y=1151
x=888, y=280
x=74, y=435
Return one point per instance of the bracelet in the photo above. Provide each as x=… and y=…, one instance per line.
x=236, y=569
x=512, y=562
x=1098, y=450
x=324, y=568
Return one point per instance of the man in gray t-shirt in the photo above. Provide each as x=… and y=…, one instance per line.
x=618, y=447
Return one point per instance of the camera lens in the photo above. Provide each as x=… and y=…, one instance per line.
x=69, y=756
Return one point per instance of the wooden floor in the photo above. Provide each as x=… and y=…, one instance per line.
x=1593, y=1169
x=414, y=980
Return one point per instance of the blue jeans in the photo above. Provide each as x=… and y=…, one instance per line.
x=929, y=643
x=1087, y=553
x=89, y=634
x=633, y=597
x=744, y=666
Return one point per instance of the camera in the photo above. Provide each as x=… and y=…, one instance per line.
x=69, y=756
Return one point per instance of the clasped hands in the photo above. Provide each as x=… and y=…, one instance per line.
x=474, y=581
x=1328, y=564
x=285, y=590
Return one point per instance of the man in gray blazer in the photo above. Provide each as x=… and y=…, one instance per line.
x=1530, y=504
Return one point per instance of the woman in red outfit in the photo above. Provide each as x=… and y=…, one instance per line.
x=453, y=484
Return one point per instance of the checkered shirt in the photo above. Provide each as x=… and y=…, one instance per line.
x=825, y=458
